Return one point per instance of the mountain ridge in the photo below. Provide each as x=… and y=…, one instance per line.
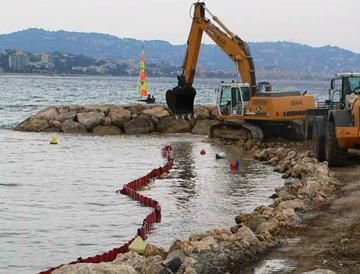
x=278, y=56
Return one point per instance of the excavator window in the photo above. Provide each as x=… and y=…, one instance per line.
x=354, y=83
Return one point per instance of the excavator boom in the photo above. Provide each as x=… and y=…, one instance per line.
x=180, y=99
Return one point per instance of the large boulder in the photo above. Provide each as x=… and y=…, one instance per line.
x=130, y=258
x=202, y=112
x=70, y=126
x=99, y=108
x=90, y=119
x=33, y=124
x=49, y=113
x=158, y=112
x=119, y=115
x=202, y=127
x=172, y=125
x=139, y=125
x=66, y=115
x=106, y=130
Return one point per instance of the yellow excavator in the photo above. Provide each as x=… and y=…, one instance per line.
x=248, y=110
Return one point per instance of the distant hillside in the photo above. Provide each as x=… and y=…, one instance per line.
x=268, y=56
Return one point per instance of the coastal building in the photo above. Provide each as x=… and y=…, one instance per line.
x=18, y=61
x=46, y=58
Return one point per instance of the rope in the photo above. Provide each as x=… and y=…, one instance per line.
x=130, y=189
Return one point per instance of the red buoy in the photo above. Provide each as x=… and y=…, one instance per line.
x=203, y=152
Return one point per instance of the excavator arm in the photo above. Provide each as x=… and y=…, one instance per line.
x=180, y=100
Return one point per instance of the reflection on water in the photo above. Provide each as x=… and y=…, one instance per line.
x=185, y=165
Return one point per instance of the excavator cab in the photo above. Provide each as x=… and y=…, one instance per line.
x=232, y=98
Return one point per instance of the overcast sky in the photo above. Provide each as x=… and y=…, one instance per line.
x=313, y=22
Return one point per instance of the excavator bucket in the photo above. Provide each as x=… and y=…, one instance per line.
x=180, y=100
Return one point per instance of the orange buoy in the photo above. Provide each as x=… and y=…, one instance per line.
x=203, y=152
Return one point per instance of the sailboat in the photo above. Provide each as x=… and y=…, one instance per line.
x=142, y=87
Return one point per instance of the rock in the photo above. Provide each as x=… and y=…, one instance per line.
x=291, y=155
x=268, y=226
x=295, y=204
x=249, y=145
x=205, y=244
x=202, y=127
x=66, y=115
x=283, y=195
x=320, y=271
x=48, y=114
x=136, y=109
x=33, y=124
x=201, y=112
x=172, y=125
x=106, y=130
x=158, y=112
x=185, y=246
x=139, y=125
x=273, y=161
x=107, y=121
x=76, y=108
x=70, y=126
x=90, y=119
x=176, y=253
x=153, y=250
x=152, y=265
x=63, y=109
x=214, y=112
x=130, y=258
x=101, y=268
x=56, y=124
x=97, y=108
x=245, y=234
x=119, y=116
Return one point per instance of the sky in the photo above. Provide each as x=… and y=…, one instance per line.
x=312, y=22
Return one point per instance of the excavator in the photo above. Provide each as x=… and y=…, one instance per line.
x=247, y=110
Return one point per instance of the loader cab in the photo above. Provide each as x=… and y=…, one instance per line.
x=343, y=88
x=232, y=98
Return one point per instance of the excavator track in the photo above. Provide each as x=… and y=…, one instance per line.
x=236, y=131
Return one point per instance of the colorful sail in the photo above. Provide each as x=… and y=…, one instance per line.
x=142, y=87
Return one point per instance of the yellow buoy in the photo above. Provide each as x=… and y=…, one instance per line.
x=54, y=140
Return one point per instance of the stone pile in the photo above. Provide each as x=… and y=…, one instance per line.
x=116, y=120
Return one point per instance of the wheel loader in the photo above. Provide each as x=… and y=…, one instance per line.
x=247, y=109
x=334, y=127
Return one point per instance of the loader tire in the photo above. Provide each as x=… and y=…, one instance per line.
x=318, y=138
x=334, y=154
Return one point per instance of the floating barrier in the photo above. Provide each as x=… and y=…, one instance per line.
x=154, y=217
